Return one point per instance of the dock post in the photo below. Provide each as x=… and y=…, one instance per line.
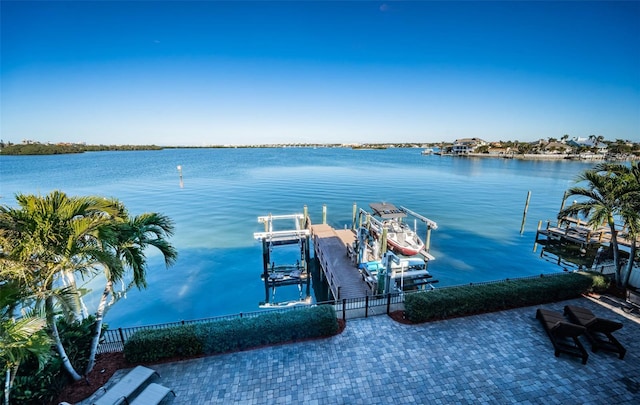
x=427, y=245
x=564, y=198
x=307, y=262
x=535, y=244
x=265, y=263
x=353, y=221
x=324, y=214
x=524, y=214
x=305, y=212
x=383, y=243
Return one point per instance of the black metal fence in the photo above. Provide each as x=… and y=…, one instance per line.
x=113, y=340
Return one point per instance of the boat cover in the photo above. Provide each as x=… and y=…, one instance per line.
x=386, y=210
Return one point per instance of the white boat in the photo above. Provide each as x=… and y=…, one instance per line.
x=400, y=237
x=427, y=151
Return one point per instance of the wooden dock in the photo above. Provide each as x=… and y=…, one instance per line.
x=574, y=231
x=331, y=247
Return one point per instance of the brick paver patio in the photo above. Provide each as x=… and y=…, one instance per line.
x=497, y=358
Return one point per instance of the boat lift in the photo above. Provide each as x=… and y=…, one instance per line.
x=394, y=273
x=366, y=220
x=382, y=269
x=285, y=274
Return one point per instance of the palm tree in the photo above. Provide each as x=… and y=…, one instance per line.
x=53, y=237
x=609, y=195
x=129, y=239
x=19, y=338
x=629, y=178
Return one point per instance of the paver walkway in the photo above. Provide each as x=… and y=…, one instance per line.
x=497, y=358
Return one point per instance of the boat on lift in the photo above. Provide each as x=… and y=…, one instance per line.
x=400, y=237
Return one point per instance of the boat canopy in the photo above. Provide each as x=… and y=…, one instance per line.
x=387, y=210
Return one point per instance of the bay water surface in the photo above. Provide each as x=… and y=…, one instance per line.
x=478, y=204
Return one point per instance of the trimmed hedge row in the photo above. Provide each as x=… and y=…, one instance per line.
x=231, y=335
x=468, y=300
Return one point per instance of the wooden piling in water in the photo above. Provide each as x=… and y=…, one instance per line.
x=524, y=214
x=564, y=198
x=265, y=263
x=353, y=216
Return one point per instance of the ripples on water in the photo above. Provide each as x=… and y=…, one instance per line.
x=477, y=203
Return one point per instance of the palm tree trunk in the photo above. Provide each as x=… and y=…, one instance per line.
x=7, y=385
x=79, y=310
x=58, y=343
x=11, y=376
x=629, y=269
x=616, y=253
x=98, y=326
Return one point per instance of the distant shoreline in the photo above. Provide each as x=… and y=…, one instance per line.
x=34, y=149
x=533, y=156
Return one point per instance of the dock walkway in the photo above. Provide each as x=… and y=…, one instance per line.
x=330, y=246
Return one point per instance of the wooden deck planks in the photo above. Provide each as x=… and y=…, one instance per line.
x=343, y=277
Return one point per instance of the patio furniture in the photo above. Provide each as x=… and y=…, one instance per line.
x=633, y=299
x=599, y=330
x=124, y=389
x=153, y=394
x=563, y=334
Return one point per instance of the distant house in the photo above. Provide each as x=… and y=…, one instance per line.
x=557, y=148
x=499, y=151
x=466, y=145
x=591, y=143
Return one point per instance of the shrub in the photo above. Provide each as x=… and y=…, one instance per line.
x=231, y=335
x=39, y=386
x=467, y=300
x=600, y=283
x=155, y=344
x=271, y=328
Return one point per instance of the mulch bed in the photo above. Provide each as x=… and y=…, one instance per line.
x=108, y=363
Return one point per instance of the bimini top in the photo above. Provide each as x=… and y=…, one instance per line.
x=386, y=210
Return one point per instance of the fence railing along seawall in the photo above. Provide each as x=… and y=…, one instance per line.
x=113, y=340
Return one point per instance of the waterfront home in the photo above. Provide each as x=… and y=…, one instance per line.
x=557, y=148
x=591, y=143
x=467, y=145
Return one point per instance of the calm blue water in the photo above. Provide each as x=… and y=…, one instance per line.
x=477, y=203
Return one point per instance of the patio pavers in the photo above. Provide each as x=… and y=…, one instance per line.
x=501, y=357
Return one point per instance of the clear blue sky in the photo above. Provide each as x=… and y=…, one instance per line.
x=209, y=72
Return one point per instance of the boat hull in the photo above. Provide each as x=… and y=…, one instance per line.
x=405, y=250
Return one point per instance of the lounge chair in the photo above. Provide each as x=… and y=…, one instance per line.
x=124, y=389
x=599, y=330
x=153, y=394
x=563, y=335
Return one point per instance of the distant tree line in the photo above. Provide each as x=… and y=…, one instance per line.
x=58, y=149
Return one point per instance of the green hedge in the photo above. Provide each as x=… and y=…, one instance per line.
x=231, y=335
x=468, y=300
x=155, y=344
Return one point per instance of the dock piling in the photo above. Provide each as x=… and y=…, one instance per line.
x=564, y=199
x=353, y=216
x=427, y=244
x=524, y=214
